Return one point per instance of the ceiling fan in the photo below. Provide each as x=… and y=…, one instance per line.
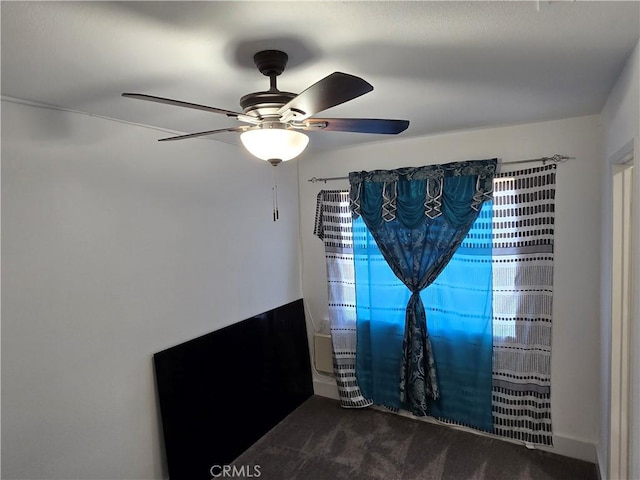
x=275, y=119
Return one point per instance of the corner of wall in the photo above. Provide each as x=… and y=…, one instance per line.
x=620, y=134
x=601, y=466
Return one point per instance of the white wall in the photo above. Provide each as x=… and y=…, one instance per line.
x=114, y=247
x=575, y=343
x=621, y=135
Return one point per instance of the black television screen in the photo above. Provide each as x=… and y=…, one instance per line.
x=221, y=392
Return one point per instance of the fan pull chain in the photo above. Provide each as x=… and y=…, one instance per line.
x=276, y=214
x=274, y=190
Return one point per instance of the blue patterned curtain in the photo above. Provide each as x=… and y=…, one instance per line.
x=380, y=306
x=418, y=218
x=459, y=306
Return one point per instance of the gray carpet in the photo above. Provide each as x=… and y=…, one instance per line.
x=322, y=441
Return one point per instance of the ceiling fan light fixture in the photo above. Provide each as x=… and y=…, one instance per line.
x=274, y=144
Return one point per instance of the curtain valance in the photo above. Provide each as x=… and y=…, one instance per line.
x=414, y=193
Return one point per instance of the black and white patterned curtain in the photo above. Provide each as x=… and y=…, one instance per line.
x=523, y=227
x=333, y=227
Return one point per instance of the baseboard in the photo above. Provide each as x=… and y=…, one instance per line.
x=572, y=447
x=562, y=445
x=325, y=387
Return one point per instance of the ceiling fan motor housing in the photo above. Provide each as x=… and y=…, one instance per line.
x=265, y=104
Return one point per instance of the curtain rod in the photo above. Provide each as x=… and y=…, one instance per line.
x=554, y=158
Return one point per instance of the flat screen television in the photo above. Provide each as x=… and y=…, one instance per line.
x=221, y=392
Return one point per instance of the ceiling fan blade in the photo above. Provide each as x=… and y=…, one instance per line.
x=178, y=103
x=203, y=134
x=332, y=90
x=358, y=125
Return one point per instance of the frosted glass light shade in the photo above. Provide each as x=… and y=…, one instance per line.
x=274, y=144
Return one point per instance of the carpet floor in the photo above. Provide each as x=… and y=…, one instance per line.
x=322, y=441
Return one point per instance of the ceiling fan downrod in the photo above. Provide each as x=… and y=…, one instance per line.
x=271, y=63
x=263, y=105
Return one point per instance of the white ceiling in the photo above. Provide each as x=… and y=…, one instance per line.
x=444, y=66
